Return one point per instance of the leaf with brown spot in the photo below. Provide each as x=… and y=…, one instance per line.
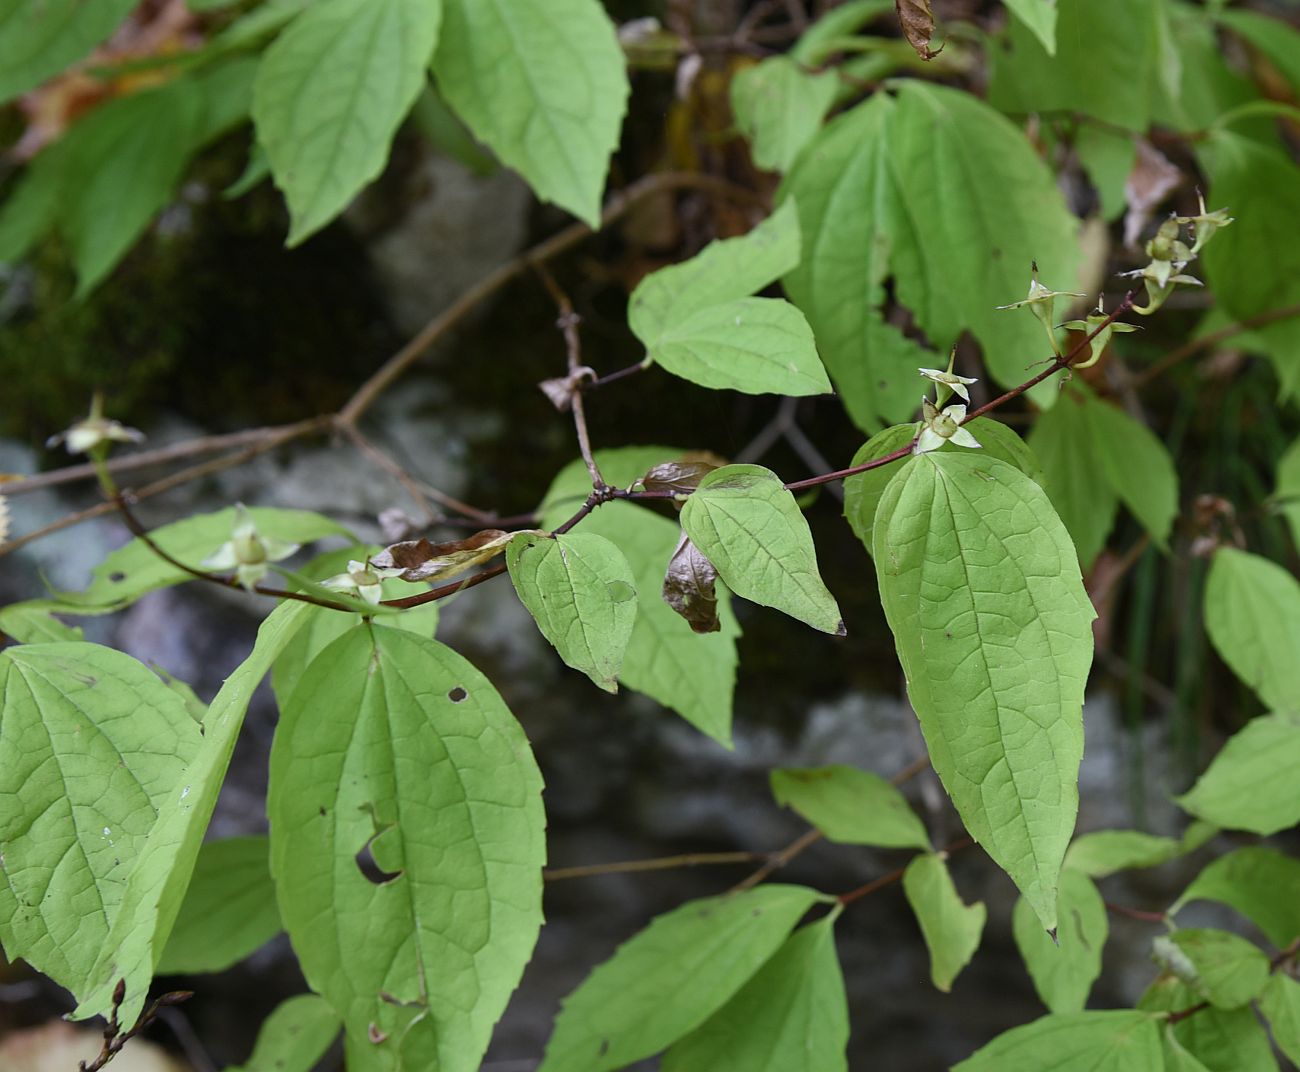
x=683, y=475
x=917, y=22
x=689, y=587
x=420, y=560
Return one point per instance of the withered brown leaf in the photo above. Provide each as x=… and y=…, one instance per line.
x=917, y=21
x=420, y=560
x=689, y=587
x=683, y=475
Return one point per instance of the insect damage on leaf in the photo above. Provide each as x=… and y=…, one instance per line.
x=917, y=22
x=420, y=560
x=689, y=586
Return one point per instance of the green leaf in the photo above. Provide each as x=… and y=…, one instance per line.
x=1261, y=884
x=669, y=979
x=1105, y=852
x=33, y=622
x=582, y=593
x=745, y=522
x=95, y=747
x=229, y=910
x=294, y=1037
x=131, y=571
x=1177, y=1057
x=1251, y=783
x=1222, y=1040
x=1253, y=266
x=692, y=673
x=1287, y=492
x=1278, y=41
x=698, y=321
x=778, y=107
x=1104, y=64
x=1064, y=971
x=929, y=187
x=1107, y=156
x=1280, y=1004
x=1229, y=971
x=1137, y=467
x=1252, y=613
x=155, y=885
x=982, y=590
x=39, y=38
x=392, y=744
x=1039, y=17
x=793, y=1014
x=951, y=928
x=851, y=806
x=1115, y=1041
x=1079, y=488
x=544, y=84
x=823, y=36
x=330, y=94
x=862, y=492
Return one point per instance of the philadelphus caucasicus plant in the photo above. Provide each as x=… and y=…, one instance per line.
x=884, y=202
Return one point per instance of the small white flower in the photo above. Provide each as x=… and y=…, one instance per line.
x=364, y=580
x=942, y=426
x=248, y=552
x=956, y=384
x=87, y=434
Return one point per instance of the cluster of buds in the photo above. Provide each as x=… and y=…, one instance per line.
x=248, y=552
x=1170, y=254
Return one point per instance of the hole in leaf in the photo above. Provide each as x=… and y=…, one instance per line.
x=375, y=1035
x=457, y=694
x=117, y=576
x=369, y=866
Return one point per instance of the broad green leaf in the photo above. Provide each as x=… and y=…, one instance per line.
x=746, y=523
x=952, y=929
x=1253, y=266
x=392, y=744
x=754, y=345
x=1137, y=466
x=1105, y=852
x=33, y=622
x=544, y=84
x=155, y=886
x=824, y=35
x=131, y=571
x=1115, y=1041
x=229, y=910
x=1078, y=486
x=95, y=746
x=862, y=492
x=294, y=1037
x=982, y=590
x=851, y=806
x=1287, y=493
x=330, y=94
x=1261, y=884
x=1252, y=613
x=693, y=673
x=1277, y=40
x=793, y=1014
x=1228, y=971
x=1107, y=155
x=582, y=593
x=1064, y=971
x=1039, y=17
x=1280, y=1004
x=1196, y=81
x=39, y=38
x=1177, y=1057
x=778, y=107
x=1222, y=1040
x=1103, y=65
x=669, y=979
x=1251, y=785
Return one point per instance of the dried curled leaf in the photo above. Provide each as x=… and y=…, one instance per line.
x=420, y=560
x=683, y=475
x=4, y=519
x=689, y=586
x=917, y=21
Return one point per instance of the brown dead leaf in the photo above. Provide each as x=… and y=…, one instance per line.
x=1152, y=179
x=683, y=475
x=689, y=587
x=420, y=560
x=917, y=21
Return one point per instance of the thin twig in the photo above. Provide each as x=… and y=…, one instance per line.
x=897, y=874
x=1136, y=913
x=1206, y=342
x=660, y=863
